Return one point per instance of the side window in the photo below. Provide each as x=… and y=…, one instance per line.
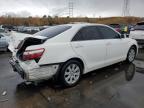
x=108, y=33
x=79, y=36
x=87, y=33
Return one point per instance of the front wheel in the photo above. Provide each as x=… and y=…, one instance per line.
x=131, y=55
x=70, y=73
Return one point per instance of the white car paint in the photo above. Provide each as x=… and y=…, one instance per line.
x=94, y=54
x=137, y=34
x=16, y=38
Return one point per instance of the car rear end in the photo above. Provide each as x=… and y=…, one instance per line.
x=140, y=42
x=25, y=60
x=138, y=34
x=29, y=57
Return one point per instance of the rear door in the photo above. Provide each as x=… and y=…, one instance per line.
x=116, y=47
x=90, y=46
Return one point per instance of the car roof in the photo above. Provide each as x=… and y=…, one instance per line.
x=69, y=34
x=85, y=24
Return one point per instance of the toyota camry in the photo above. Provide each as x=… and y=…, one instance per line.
x=68, y=51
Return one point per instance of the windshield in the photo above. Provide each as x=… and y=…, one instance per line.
x=53, y=31
x=139, y=27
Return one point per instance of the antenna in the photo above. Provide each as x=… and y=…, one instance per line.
x=71, y=7
x=126, y=8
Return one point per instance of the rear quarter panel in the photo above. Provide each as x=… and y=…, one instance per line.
x=55, y=53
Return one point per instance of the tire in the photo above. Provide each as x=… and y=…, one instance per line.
x=131, y=55
x=70, y=73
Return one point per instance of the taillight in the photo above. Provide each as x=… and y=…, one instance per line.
x=33, y=54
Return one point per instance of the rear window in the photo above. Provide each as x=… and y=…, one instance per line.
x=139, y=27
x=53, y=31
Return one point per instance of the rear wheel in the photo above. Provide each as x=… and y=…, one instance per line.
x=70, y=73
x=131, y=54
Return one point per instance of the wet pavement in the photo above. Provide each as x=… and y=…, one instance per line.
x=117, y=86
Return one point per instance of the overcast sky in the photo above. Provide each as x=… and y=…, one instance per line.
x=90, y=8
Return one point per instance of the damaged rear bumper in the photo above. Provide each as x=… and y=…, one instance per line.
x=16, y=67
x=31, y=71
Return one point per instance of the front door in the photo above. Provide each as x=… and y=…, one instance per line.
x=116, y=47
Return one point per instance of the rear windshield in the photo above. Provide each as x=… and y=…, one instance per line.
x=139, y=27
x=53, y=31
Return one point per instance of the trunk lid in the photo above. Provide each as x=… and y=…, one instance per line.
x=19, y=39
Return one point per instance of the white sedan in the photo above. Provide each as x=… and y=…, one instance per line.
x=65, y=52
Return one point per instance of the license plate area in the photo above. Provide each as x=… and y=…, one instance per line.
x=16, y=67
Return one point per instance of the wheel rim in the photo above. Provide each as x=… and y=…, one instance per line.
x=131, y=55
x=72, y=74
